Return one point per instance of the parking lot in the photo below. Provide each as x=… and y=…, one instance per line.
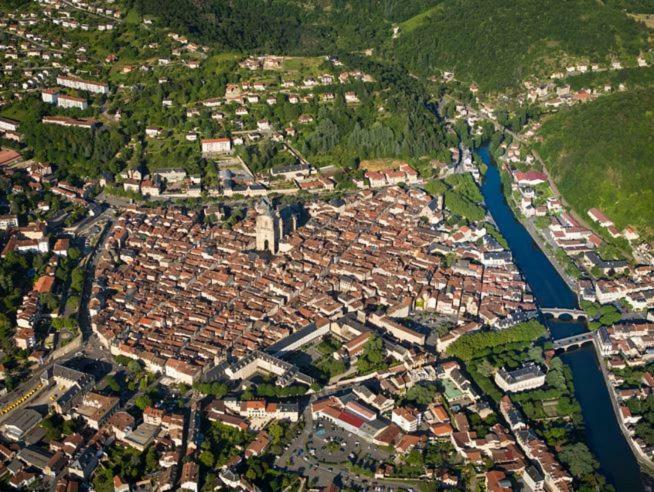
x=323, y=452
x=331, y=444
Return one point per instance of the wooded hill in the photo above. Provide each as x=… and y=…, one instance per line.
x=492, y=42
x=498, y=44
x=601, y=153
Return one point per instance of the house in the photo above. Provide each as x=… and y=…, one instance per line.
x=121, y=424
x=8, y=221
x=150, y=187
x=497, y=481
x=182, y=371
x=529, y=178
x=351, y=98
x=406, y=418
x=65, y=101
x=95, y=409
x=630, y=234
x=533, y=479
x=8, y=156
x=598, y=216
x=25, y=338
x=263, y=125
x=61, y=247
x=18, y=424
x=376, y=179
x=258, y=446
x=9, y=125
x=216, y=145
x=190, y=478
x=83, y=85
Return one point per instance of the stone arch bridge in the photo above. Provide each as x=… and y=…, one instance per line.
x=563, y=313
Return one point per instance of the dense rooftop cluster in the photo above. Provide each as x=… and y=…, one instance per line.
x=170, y=288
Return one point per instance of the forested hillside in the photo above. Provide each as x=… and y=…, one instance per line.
x=286, y=26
x=498, y=43
x=493, y=42
x=601, y=153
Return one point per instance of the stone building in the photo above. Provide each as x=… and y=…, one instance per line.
x=272, y=225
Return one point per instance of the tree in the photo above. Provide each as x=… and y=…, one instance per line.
x=112, y=384
x=473, y=345
x=216, y=388
x=579, y=460
x=421, y=394
x=151, y=459
x=276, y=431
x=134, y=366
x=207, y=458
x=372, y=357
x=77, y=279
x=143, y=401
x=609, y=315
x=485, y=368
x=435, y=187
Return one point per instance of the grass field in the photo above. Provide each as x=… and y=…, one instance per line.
x=647, y=19
x=417, y=20
x=380, y=164
x=174, y=151
x=302, y=66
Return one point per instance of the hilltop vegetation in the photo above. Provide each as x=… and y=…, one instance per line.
x=495, y=43
x=286, y=26
x=601, y=153
x=498, y=43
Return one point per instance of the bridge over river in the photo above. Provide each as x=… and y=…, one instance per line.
x=573, y=341
x=563, y=313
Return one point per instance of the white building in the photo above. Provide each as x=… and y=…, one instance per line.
x=182, y=371
x=82, y=85
x=8, y=125
x=8, y=221
x=407, y=419
x=216, y=145
x=527, y=377
x=64, y=101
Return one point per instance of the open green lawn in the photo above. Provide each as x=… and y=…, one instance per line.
x=173, y=151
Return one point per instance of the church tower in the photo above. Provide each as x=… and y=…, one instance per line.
x=268, y=227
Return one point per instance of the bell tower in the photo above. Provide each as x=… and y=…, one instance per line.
x=267, y=227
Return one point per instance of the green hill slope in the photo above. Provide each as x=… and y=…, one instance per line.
x=498, y=43
x=601, y=154
x=287, y=26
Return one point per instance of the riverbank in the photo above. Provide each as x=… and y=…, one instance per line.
x=602, y=429
x=540, y=240
x=645, y=462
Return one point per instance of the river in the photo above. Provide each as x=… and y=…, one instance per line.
x=617, y=462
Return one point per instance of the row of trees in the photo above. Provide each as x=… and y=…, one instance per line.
x=474, y=344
